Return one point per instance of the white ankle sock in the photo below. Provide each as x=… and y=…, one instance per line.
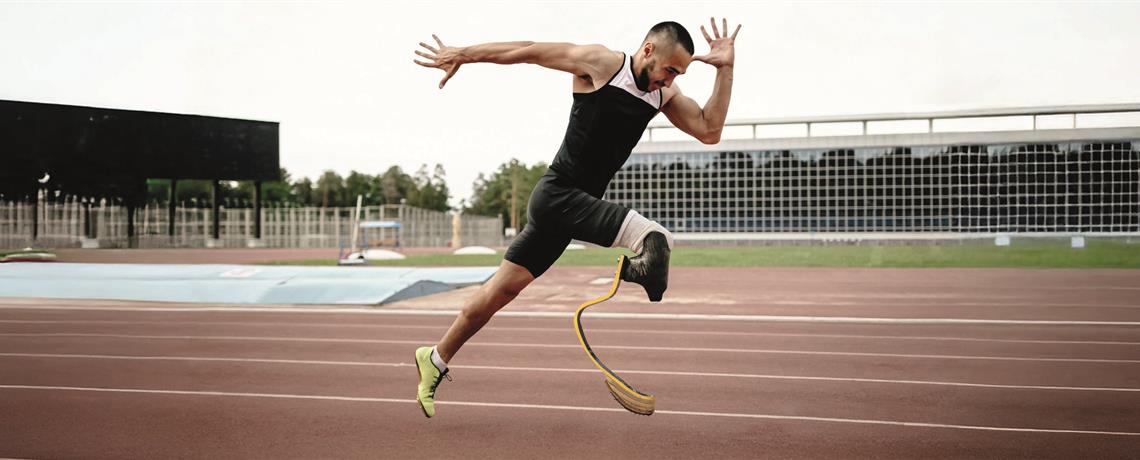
x=437, y=360
x=634, y=229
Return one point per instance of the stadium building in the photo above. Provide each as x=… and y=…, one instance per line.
x=1040, y=171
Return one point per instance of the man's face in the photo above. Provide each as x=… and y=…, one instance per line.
x=662, y=65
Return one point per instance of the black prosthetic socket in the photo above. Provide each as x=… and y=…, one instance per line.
x=650, y=269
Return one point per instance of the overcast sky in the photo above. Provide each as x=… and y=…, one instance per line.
x=340, y=78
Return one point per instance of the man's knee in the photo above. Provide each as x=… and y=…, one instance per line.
x=509, y=281
x=491, y=299
x=507, y=291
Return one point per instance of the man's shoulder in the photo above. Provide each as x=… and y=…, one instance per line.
x=668, y=92
x=600, y=52
x=604, y=58
x=600, y=62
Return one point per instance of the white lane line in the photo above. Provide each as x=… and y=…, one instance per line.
x=807, y=301
x=567, y=408
x=1088, y=288
x=577, y=370
x=548, y=345
x=559, y=329
x=606, y=315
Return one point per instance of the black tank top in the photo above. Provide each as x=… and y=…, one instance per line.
x=604, y=127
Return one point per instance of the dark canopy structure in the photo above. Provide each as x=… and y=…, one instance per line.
x=110, y=153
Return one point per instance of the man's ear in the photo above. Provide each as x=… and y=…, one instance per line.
x=647, y=49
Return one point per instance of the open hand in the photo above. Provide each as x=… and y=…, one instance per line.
x=720, y=46
x=445, y=58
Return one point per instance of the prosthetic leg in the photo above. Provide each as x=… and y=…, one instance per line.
x=650, y=269
x=629, y=398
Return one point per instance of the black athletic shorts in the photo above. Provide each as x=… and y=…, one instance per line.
x=557, y=213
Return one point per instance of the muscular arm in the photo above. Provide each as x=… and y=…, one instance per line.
x=707, y=123
x=588, y=62
x=580, y=60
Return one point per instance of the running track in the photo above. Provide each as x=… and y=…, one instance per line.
x=88, y=379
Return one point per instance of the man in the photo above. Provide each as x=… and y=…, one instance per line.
x=615, y=97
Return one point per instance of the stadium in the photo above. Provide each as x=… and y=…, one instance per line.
x=943, y=182
x=1044, y=172
x=185, y=272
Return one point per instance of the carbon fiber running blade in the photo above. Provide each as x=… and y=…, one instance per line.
x=632, y=400
x=629, y=398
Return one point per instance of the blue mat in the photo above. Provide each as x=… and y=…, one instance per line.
x=239, y=284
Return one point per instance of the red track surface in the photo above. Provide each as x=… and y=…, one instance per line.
x=102, y=381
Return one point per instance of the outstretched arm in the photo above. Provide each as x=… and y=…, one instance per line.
x=584, y=61
x=706, y=124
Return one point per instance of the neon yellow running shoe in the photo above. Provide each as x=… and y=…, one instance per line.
x=430, y=376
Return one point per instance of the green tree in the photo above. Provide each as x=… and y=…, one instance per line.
x=430, y=190
x=278, y=191
x=190, y=192
x=506, y=192
x=395, y=185
x=157, y=190
x=304, y=193
x=363, y=185
x=331, y=190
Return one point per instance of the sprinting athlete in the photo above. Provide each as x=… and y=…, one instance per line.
x=615, y=97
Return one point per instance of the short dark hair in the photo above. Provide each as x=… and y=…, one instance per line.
x=674, y=32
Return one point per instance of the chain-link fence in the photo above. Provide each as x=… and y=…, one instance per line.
x=1058, y=187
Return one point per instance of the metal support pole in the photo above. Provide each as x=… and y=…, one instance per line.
x=131, y=242
x=36, y=216
x=170, y=210
x=257, y=210
x=88, y=228
x=216, y=232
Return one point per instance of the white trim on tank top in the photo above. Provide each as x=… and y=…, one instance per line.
x=624, y=80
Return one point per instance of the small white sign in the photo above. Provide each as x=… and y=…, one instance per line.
x=244, y=272
x=1002, y=240
x=1078, y=242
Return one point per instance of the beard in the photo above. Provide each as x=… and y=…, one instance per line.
x=642, y=79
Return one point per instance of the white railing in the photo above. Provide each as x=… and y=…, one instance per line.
x=1026, y=118
x=69, y=222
